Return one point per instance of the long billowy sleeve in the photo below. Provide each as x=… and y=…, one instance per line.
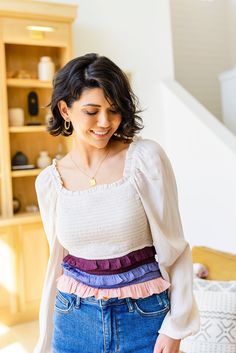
x=155, y=183
x=47, y=200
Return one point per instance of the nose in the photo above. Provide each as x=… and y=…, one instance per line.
x=103, y=120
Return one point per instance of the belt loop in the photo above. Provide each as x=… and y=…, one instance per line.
x=77, y=303
x=130, y=304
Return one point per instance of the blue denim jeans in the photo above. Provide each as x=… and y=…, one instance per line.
x=107, y=326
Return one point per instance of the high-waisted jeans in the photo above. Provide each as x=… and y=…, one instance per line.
x=92, y=325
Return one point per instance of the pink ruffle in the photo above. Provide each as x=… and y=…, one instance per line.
x=141, y=290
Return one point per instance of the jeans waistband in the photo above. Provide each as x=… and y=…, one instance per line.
x=130, y=302
x=105, y=301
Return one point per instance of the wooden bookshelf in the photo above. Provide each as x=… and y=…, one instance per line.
x=22, y=237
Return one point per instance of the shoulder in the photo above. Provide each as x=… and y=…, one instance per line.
x=44, y=180
x=150, y=156
x=149, y=147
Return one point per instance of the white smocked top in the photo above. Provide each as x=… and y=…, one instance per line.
x=138, y=210
x=102, y=222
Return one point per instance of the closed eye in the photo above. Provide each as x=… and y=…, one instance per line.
x=94, y=113
x=90, y=113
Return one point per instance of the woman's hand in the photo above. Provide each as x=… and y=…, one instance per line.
x=165, y=344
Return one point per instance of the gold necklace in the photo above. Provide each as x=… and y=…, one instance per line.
x=92, y=179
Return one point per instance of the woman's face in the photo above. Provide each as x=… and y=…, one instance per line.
x=93, y=117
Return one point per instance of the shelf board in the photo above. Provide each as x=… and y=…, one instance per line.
x=20, y=218
x=29, y=215
x=25, y=82
x=28, y=128
x=25, y=173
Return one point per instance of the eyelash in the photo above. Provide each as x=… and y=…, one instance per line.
x=112, y=111
x=90, y=113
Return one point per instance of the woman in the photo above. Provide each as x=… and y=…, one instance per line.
x=119, y=277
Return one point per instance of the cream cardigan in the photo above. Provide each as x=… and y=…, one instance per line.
x=149, y=171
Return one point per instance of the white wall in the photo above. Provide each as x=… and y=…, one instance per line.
x=231, y=9
x=136, y=35
x=201, y=48
x=203, y=154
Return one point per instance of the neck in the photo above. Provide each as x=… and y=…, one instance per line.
x=87, y=154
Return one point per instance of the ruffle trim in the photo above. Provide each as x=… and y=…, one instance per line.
x=120, y=270
x=111, y=264
x=146, y=277
x=141, y=290
x=59, y=183
x=110, y=280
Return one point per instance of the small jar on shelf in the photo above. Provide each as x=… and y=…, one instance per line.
x=46, y=68
x=43, y=160
x=16, y=116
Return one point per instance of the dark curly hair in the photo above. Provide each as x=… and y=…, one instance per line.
x=90, y=71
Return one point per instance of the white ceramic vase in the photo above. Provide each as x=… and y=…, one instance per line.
x=16, y=116
x=46, y=69
x=43, y=160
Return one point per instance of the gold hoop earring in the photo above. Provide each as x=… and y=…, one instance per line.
x=67, y=124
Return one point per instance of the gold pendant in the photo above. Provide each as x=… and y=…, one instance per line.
x=92, y=182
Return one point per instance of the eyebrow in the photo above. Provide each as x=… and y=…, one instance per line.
x=94, y=105
x=91, y=104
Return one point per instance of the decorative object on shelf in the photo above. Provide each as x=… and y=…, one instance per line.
x=59, y=154
x=21, y=74
x=43, y=160
x=46, y=68
x=33, y=108
x=33, y=105
x=16, y=116
x=16, y=205
x=19, y=159
x=32, y=208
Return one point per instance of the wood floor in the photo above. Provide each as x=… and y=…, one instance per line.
x=18, y=339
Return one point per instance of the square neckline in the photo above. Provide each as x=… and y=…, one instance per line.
x=125, y=174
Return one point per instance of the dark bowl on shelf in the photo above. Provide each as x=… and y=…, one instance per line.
x=19, y=159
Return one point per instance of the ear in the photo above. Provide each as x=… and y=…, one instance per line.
x=63, y=108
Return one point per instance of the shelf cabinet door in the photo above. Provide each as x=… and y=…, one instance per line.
x=23, y=261
x=32, y=260
x=8, y=279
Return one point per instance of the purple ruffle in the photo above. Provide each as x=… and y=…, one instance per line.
x=146, y=277
x=119, y=264
x=122, y=269
x=109, y=281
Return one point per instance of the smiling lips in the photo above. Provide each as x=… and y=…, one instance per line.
x=100, y=133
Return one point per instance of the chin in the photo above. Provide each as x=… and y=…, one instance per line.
x=99, y=144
